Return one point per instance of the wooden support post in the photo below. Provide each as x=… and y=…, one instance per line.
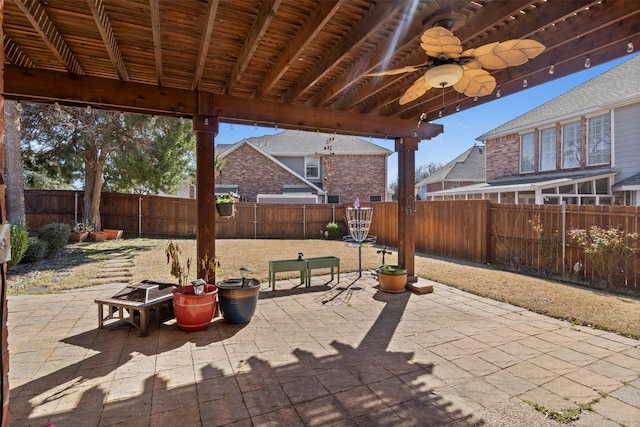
x=406, y=149
x=206, y=128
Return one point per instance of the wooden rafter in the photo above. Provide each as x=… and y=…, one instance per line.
x=157, y=40
x=13, y=52
x=266, y=14
x=324, y=12
x=39, y=19
x=110, y=43
x=205, y=41
x=367, y=26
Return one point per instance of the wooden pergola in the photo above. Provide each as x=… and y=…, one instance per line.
x=295, y=64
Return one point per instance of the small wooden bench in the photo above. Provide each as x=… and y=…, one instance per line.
x=126, y=310
x=304, y=266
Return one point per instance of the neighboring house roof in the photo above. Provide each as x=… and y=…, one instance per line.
x=617, y=86
x=468, y=166
x=234, y=147
x=530, y=183
x=631, y=183
x=294, y=143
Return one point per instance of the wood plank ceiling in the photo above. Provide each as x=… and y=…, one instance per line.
x=301, y=53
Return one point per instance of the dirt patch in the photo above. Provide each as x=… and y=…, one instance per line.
x=78, y=263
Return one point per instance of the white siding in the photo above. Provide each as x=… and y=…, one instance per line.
x=626, y=133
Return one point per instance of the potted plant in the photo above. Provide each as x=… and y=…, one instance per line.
x=194, y=304
x=80, y=232
x=113, y=234
x=225, y=205
x=392, y=278
x=238, y=298
x=334, y=230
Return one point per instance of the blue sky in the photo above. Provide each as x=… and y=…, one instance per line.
x=460, y=129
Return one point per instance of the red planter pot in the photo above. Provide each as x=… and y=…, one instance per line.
x=194, y=312
x=98, y=236
x=113, y=234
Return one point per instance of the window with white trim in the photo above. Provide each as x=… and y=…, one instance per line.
x=548, y=149
x=311, y=167
x=527, y=152
x=599, y=140
x=571, y=145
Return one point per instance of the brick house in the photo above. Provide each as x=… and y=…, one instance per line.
x=304, y=167
x=466, y=169
x=581, y=147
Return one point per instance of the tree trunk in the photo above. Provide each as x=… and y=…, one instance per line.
x=13, y=161
x=94, y=162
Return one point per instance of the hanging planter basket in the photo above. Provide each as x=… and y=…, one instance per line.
x=225, y=210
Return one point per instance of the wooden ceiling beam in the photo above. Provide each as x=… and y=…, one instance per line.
x=265, y=16
x=154, y=9
x=33, y=85
x=370, y=24
x=106, y=32
x=316, y=22
x=14, y=54
x=39, y=19
x=205, y=42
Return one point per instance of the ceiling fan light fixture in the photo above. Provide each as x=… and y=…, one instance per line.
x=443, y=75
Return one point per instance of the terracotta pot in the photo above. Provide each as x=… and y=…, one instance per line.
x=76, y=236
x=393, y=281
x=238, y=302
x=113, y=234
x=194, y=312
x=98, y=236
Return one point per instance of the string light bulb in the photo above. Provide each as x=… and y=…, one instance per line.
x=19, y=107
x=121, y=117
x=57, y=106
x=475, y=98
x=440, y=113
x=629, y=47
x=88, y=110
x=525, y=83
x=587, y=62
x=153, y=120
x=498, y=94
x=457, y=107
x=552, y=69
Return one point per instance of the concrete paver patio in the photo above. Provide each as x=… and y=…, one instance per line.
x=329, y=355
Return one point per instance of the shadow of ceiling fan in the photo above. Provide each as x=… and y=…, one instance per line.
x=448, y=65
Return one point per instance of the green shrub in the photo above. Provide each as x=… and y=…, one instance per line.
x=19, y=244
x=36, y=250
x=55, y=235
x=334, y=230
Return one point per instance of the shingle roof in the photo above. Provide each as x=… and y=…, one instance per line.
x=615, y=86
x=632, y=180
x=468, y=166
x=299, y=143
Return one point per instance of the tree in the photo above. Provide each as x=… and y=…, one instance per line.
x=422, y=172
x=13, y=164
x=72, y=145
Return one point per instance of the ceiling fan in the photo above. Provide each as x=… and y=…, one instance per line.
x=448, y=65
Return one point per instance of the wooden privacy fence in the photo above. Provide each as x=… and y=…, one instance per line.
x=474, y=230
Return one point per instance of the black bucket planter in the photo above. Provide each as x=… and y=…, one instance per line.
x=225, y=209
x=238, y=299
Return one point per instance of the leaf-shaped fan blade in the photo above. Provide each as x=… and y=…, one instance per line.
x=407, y=69
x=438, y=40
x=417, y=89
x=475, y=82
x=495, y=56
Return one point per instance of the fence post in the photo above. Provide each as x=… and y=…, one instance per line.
x=255, y=221
x=139, y=216
x=75, y=207
x=304, y=222
x=564, y=237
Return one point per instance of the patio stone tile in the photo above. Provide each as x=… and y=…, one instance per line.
x=591, y=350
x=613, y=371
x=450, y=373
x=304, y=389
x=481, y=392
x=617, y=411
x=421, y=412
x=422, y=383
x=624, y=361
x=282, y=417
x=594, y=380
x=571, y=390
x=475, y=365
x=324, y=411
x=571, y=356
x=606, y=341
x=491, y=339
x=509, y=383
x=553, y=364
x=498, y=357
x=393, y=391
x=189, y=415
x=169, y=399
x=547, y=399
x=265, y=400
x=359, y=401
x=470, y=345
x=228, y=411
x=519, y=350
x=217, y=388
x=532, y=373
x=121, y=411
x=629, y=395
x=591, y=418
x=448, y=351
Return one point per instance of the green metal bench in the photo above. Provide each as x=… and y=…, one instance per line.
x=304, y=266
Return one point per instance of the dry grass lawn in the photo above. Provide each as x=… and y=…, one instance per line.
x=582, y=306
